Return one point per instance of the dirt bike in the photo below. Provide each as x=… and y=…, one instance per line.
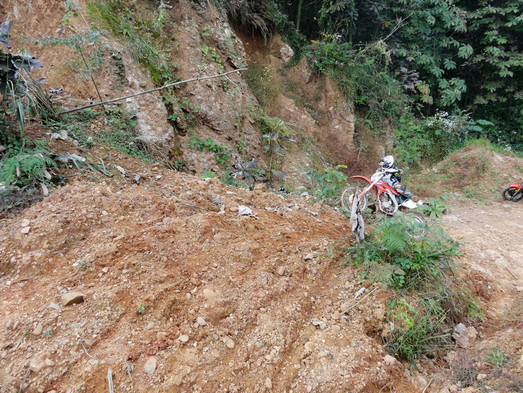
x=388, y=199
x=514, y=192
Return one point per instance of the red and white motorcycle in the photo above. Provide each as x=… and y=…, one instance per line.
x=389, y=201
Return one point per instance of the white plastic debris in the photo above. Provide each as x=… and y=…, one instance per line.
x=121, y=170
x=244, y=211
x=359, y=293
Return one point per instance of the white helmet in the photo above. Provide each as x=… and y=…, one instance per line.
x=387, y=162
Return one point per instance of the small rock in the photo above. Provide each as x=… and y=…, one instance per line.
x=421, y=381
x=54, y=305
x=36, y=365
x=150, y=365
x=390, y=360
x=26, y=222
x=308, y=257
x=183, y=338
x=472, y=333
x=209, y=294
x=93, y=362
x=38, y=329
x=201, y=321
x=268, y=383
x=260, y=188
x=72, y=298
x=38, y=362
x=481, y=377
x=122, y=171
x=25, y=230
x=322, y=325
x=461, y=336
x=229, y=343
x=281, y=271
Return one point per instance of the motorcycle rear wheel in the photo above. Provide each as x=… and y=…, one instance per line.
x=417, y=225
x=348, y=195
x=511, y=194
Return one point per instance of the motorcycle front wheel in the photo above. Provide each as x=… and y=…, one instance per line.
x=348, y=195
x=513, y=194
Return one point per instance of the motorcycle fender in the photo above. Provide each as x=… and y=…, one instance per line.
x=518, y=186
x=410, y=204
x=361, y=177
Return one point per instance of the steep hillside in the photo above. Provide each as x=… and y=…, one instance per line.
x=150, y=45
x=136, y=272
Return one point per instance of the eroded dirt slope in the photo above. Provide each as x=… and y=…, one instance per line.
x=181, y=293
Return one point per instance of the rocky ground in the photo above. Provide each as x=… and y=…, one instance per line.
x=173, y=284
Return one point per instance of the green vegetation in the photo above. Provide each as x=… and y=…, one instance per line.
x=258, y=79
x=440, y=72
x=142, y=35
x=209, y=144
x=419, y=329
x=496, y=358
x=326, y=184
x=119, y=130
x=436, y=207
x=24, y=165
x=424, y=267
x=403, y=261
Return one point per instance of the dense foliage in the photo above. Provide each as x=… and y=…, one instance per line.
x=410, y=61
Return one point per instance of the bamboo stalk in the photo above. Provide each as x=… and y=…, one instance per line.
x=149, y=91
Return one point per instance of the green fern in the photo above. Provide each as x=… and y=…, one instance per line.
x=25, y=167
x=416, y=261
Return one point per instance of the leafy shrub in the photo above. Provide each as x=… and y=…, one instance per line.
x=287, y=29
x=121, y=133
x=418, y=330
x=258, y=79
x=364, y=77
x=496, y=358
x=209, y=144
x=435, y=137
x=23, y=166
x=413, y=261
x=328, y=183
x=421, y=325
x=140, y=33
x=435, y=207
